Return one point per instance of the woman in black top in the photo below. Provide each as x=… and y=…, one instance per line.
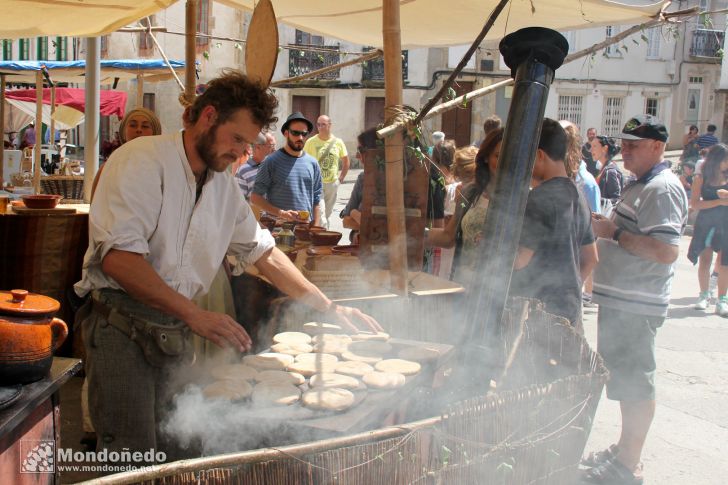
x=710, y=198
x=610, y=178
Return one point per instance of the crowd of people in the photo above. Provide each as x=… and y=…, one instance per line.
x=592, y=234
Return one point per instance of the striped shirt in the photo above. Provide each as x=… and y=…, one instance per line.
x=707, y=140
x=245, y=177
x=656, y=206
x=290, y=183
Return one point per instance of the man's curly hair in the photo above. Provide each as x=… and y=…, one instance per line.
x=232, y=91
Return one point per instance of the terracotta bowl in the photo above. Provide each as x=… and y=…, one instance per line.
x=41, y=201
x=325, y=238
x=349, y=250
x=292, y=255
x=268, y=222
x=302, y=232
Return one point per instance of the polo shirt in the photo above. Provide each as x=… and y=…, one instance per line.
x=654, y=205
x=245, y=177
x=706, y=140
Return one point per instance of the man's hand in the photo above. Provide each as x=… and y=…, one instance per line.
x=220, y=329
x=289, y=215
x=354, y=319
x=602, y=226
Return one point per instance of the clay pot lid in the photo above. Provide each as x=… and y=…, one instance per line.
x=21, y=302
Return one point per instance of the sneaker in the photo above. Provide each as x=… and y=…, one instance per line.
x=612, y=472
x=703, y=300
x=713, y=285
x=721, y=308
x=586, y=300
x=596, y=458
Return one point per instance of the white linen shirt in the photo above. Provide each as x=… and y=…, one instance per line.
x=145, y=203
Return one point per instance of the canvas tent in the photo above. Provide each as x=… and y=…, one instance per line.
x=70, y=105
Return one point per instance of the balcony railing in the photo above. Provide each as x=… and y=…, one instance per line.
x=707, y=43
x=304, y=61
x=373, y=70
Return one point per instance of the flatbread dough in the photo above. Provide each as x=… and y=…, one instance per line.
x=317, y=357
x=370, y=347
x=330, y=337
x=234, y=372
x=331, y=347
x=400, y=366
x=292, y=337
x=280, y=376
x=419, y=354
x=384, y=380
x=232, y=390
x=268, y=361
x=275, y=394
x=328, y=399
x=381, y=336
x=291, y=348
x=331, y=379
x=353, y=368
x=309, y=368
x=317, y=328
x=365, y=357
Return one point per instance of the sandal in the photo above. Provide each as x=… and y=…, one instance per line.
x=611, y=472
x=596, y=458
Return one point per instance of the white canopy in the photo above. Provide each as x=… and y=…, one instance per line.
x=424, y=23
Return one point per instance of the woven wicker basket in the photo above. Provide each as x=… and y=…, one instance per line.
x=68, y=186
x=338, y=284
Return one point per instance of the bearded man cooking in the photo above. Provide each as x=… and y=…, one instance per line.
x=166, y=215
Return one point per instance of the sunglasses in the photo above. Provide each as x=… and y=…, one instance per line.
x=299, y=133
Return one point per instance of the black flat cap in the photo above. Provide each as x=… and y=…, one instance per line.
x=643, y=127
x=297, y=116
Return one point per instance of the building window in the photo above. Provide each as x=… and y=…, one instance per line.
x=7, y=50
x=571, y=39
x=61, y=45
x=41, y=48
x=570, y=109
x=612, y=50
x=149, y=101
x=203, y=22
x=304, y=61
x=612, y=116
x=373, y=70
x=24, y=49
x=695, y=79
x=653, y=43
x=652, y=107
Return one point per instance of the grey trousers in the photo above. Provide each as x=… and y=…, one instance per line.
x=127, y=396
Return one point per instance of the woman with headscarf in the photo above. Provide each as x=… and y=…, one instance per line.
x=137, y=122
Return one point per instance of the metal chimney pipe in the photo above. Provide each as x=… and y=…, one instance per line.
x=533, y=54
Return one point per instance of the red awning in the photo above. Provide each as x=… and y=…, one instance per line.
x=112, y=102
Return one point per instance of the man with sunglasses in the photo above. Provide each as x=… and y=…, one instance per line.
x=290, y=179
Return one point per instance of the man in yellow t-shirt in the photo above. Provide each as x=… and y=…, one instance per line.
x=328, y=150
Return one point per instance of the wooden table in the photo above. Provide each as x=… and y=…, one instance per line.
x=34, y=417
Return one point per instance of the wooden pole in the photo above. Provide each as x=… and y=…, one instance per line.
x=190, y=50
x=140, y=91
x=2, y=129
x=53, y=122
x=394, y=148
x=38, y=130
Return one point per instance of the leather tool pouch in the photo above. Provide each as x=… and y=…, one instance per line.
x=162, y=344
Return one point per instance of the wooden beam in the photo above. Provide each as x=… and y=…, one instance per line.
x=53, y=122
x=190, y=51
x=394, y=148
x=366, y=57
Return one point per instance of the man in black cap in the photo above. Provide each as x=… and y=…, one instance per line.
x=290, y=180
x=637, y=248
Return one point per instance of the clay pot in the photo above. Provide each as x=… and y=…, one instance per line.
x=325, y=238
x=41, y=201
x=29, y=334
